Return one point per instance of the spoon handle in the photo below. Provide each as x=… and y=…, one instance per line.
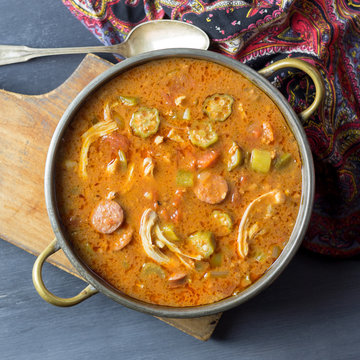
x=10, y=54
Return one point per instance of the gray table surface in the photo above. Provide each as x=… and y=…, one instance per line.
x=311, y=312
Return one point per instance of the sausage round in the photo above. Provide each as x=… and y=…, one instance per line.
x=124, y=239
x=211, y=188
x=178, y=279
x=107, y=216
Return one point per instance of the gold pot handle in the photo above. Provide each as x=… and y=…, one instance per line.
x=309, y=70
x=44, y=292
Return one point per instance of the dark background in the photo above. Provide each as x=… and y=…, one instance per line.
x=311, y=312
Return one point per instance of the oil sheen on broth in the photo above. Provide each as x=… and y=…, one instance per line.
x=179, y=182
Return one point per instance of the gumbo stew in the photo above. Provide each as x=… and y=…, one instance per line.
x=179, y=182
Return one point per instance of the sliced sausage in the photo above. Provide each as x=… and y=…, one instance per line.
x=211, y=188
x=124, y=239
x=107, y=216
x=178, y=279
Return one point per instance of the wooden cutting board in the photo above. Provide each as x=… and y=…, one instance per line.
x=26, y=127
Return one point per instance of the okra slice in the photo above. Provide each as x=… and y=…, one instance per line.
x=203, y=137
x=223, y=219
x=236, y=157
x=145, y=122
x=129, y=100
x=184, y=178
x=282, y=161
x=204, y=243
x=218, y=106
x=260, y=161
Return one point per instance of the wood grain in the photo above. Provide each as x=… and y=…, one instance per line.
x=26, y=127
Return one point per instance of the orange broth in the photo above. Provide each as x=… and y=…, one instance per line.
x=178, y=89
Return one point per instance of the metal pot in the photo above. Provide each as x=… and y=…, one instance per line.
x=96, y=283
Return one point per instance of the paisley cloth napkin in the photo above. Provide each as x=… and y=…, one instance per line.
x=325, y=33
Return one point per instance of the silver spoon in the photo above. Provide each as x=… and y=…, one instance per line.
x=148, y=36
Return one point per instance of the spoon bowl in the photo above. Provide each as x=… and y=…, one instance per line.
x=162, y=34
x=148, y=36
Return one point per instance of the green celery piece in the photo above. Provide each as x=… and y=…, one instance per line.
x=260, y=161
x=152, y=269
x=129, y=100
x=216, y=260
x=184, y=178
x=282, y=161
x=260, y=256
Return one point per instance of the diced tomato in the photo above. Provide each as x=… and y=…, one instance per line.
x=186, y=159
x=176, y=216
x=207, y=159
x=164, y=214
x=179, y=193
x=254, y=129
x=256, y=133
x=155, y=205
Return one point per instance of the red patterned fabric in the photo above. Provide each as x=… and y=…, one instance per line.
x=325, y=33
